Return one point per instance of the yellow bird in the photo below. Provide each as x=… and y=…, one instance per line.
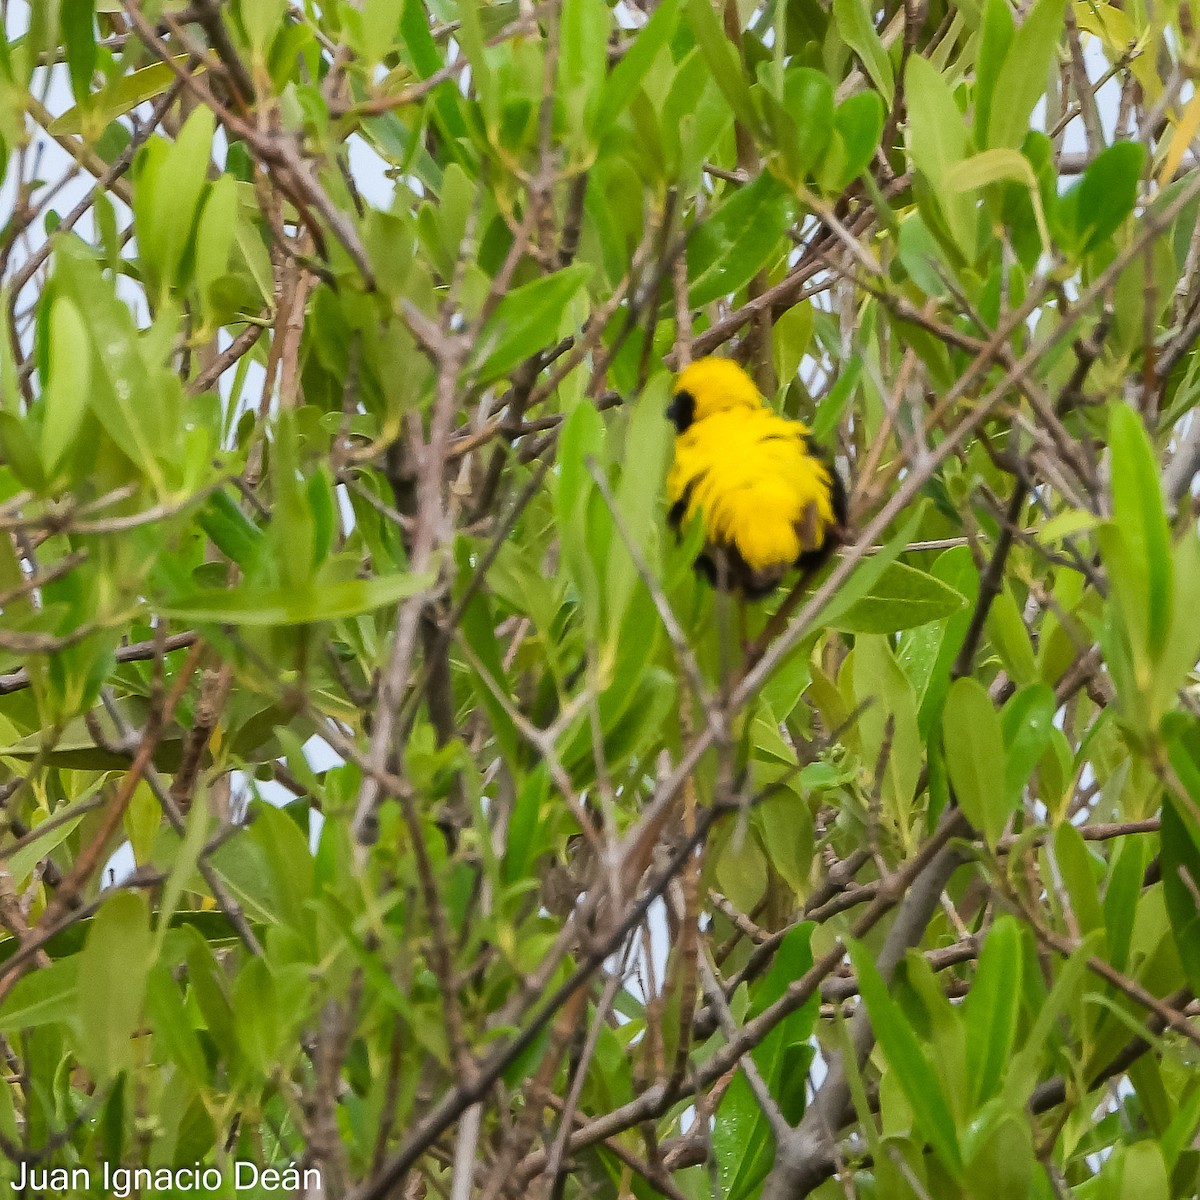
x=769, y=501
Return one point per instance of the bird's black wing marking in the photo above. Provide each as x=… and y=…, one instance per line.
x=810, y=560
x=678, y=510
x=723, y=565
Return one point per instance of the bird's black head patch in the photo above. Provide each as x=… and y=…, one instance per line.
x=682, y=410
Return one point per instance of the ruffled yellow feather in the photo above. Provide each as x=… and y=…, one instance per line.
x=748, y=473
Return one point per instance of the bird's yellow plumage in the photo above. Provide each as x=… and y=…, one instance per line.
x=768, y=501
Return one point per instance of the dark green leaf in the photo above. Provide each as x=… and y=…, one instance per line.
x=860, y=122
x=808, y=99
x=1108, y=192
x=527, y=320
x=901, y=598
x=738, y=239
x=1181, y=858
x=77, y=19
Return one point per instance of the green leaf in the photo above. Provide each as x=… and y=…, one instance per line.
x=902, y=1049
x=262, y=21
x=975, y=757
x=901, y=598
x=1145, y=591
x=115, y=961
x=1075, y=866
x=1181, y=859
x=998, y=1146
x=470, y=37
x=921, y=255
x=255, y=1013
x=1010, y=636
x=1021, y=81
x=526, y=817
x=293, y=524
x=1179, y=1134
x=1001, y=164
x=478, y=627
x=741, y=1136
x=635, y=63
x=744, y=234
x=127, y=93
x=184, y=864
x=77, y=18
x=647, y=440
x=19, y=453
x=1121, y=898
x=10, y=394
x=1066, y=524
x=251, y=605
x=123, y=392
x=43, y=997
x=231, y=531
x=723, y=61
x=185, y=171
x=867, y=573
x=1107, y=193
x=209, y=988
x=857, y=30
x=380, y=26
x=994, y=40
x=20, y=864
x=142, y=821
x=879, y=679
x=830, y=413
x=859, y=119
x=214, y=234
x=526, y=320
x=173, y=1030
x=1143, y=1173
x=991, y=166
x=67, y=389
x=1024, y=1065
x=583, y=53
x=1027, y=722
x=992, y=1007
x=808, y=99
x=582, y=436
x=937, y=141
x=791, y=334
x=1182, y=649
x=741, y=870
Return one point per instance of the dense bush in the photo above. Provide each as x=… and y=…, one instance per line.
x=384, y=794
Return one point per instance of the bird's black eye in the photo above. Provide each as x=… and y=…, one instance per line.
x=682, y=410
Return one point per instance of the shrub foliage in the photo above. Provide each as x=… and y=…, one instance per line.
x=384, y=794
